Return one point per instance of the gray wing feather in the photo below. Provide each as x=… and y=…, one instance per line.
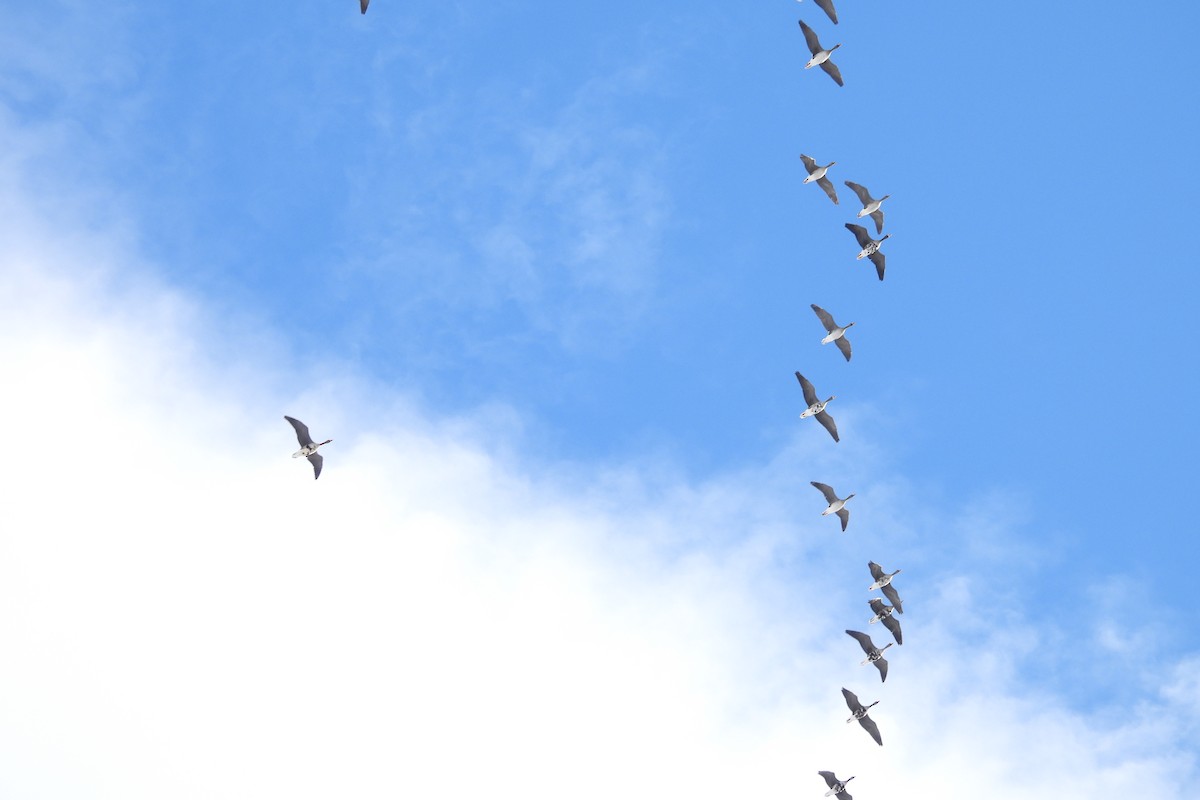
x=810, y=394
x=863, y=195
x=876, y=570
x=810, y=38
x=363, y=5
x=851, y=700
x=829, y=777
x=881, y=665
x=892, y=624
x=827, y=7
x=832, y=71
x=880, y=262
x=864, y=641
x=877, y=215
x=844, y=515
x=809, y=163
x=826, y=490
x=316, y=461
x=301, y=431
x=827, y=185
x=829, y=424
x=860, y=233
x=843, y=344
x=890, y=593
x=876, y=605
x=871, y=728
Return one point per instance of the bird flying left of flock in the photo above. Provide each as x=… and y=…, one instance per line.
x=814, y=406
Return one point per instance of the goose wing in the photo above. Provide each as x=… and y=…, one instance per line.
x=860, y=233
x=832, y=71
x=891, y=594
x=827, y=7
x=831, y=426
x=881, y=665
x=864, y=641
x=843, y=514
x=316, y=461
x=825, y=317
x=810, y=38
x=871, y=728
x=876, y=570
x=864, y=196
x=810, y=394
x=852, y=700
x=892, y=624
x=843, y=344
x=363, y=5
x=877, y=215
x=301, y=431
x=827, y=490
x=880, y=262
x=829, y=777
x=877, y=606
x=827, y=185
x=809, y=163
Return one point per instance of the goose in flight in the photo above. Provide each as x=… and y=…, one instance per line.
x=836, y=505
x=870, y=247
x=308, y=448
x=883, y=582
x=820, y=56
x=870, y=204
x=874, y=654
x=816, y=408
x=860, y=713
x=884, y=614
x=827, y=7
x=817, y=174
x=837, y=333
x=836, y=788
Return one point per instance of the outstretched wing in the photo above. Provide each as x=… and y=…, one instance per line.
x=860, y=233
x=892, y=624
x=810, y=394
x=891, y=594
x=827, y=7
x=864, y=196
x=827, y=185
x=876, y=570
x=810, y=37
x=879, y=260
x=881, y=665
x=843, y=344
x=301, y=431
x=827, y=490
x=831, y=426
x=825, y=317
x=864, y=641
x=809, y=163
x=363, y=5
x=843, y=514
x=832, y=71
x=852, y=700
x=829, y=777
x=316, y=461
x=871, y=728
x=877, y=606
x=877, y=215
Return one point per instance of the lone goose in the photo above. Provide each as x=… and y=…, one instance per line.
x=817, y=174
x=816, y=408
x=883, y=582
x=836, y=505
x=870, y=205
x=870, y=247
x=884, y=614
x=874, y=654
x=836, y=787
x=308, y=448
x=860, y=714
x=837, y=333
x=820, y=56
x=827, y=7
x=363, y=5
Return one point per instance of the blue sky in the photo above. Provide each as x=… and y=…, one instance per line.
x=566, y=247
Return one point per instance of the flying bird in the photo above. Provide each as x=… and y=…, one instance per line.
x=817, y=174
x=837, y=333
x=884, y=614
x=860, y=713
x=870, y=247
x=870, y=204
x=874, y=654
x=308, y=448
x=816, y=408
x=363, y=5
x=836, y=505
x=836, y=788
x=883, y=581
x=820, y=56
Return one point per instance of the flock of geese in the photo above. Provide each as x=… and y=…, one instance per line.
x=817, y=408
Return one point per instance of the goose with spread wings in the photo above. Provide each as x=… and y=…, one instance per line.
x=837, y=505
x=820, y=56
x=860, y=713
x=874, y=654
x=836, y=333
x=871, y=206
x=817, y=173
x=836, y=788
x=816, y=408
x=883, y=582
x=308, y=448
x=870, y=247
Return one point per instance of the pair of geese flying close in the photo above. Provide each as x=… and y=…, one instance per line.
x=820, y=175
x=884, y=614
